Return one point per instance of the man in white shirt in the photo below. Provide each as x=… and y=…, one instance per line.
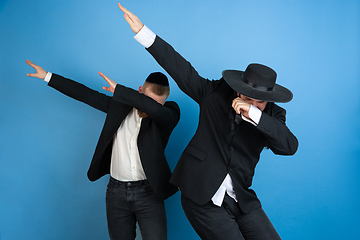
x=238, y=119
x=131, y=149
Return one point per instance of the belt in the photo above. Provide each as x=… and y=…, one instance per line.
x=129, y=183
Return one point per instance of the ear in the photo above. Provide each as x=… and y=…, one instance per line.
x=140, y=89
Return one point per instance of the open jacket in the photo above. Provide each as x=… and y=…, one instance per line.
x=154, y=132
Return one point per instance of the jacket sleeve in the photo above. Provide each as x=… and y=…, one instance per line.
x=280, y=139
x=80, y=92
x=184, y=74
x=166, y=116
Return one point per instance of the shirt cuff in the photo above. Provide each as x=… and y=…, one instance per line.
x=145, y=37
x=254, y=114
x=48, y=77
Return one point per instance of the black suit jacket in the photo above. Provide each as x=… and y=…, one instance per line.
x=154, y=132
x=220, y=146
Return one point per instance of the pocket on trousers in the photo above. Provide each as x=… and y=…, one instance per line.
x=148, y=189
x=110, y=188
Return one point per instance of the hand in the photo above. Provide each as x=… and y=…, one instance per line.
x=110, y=82
x=241, y=107
x=40, y=72
x=134, y=22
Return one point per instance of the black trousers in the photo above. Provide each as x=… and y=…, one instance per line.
x=131, y=202
x=228, y=222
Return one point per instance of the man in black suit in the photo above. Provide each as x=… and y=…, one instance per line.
x=131, y=148
x=238, y=118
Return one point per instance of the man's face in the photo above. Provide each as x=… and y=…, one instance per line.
x=256, y=103
x=147, y=91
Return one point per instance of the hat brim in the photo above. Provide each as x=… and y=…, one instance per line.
x=277, y=94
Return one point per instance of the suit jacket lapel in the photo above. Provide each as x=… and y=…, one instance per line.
x=144, y=125
x=116, y=114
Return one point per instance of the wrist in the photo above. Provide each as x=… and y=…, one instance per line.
x=47, y=77
x=145, y=36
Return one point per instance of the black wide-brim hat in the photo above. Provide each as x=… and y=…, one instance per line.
x=257, y=82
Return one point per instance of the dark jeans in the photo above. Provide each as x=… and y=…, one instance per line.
x=128, y=202
x=228, y=222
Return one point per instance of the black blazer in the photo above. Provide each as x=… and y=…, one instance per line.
x=220, y=146
x=154, y=132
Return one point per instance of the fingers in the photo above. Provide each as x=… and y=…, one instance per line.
x=105, y=77
x=112, y=84
x=239, y=105
x=40, y=72
x=108, y=80
x=127, y=14
x=235, y=104
x=102, y=75
x=31, y=75
x=123, y=9
x=31, y=63
x=134, y=22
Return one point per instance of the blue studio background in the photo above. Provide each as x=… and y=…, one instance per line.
x=47, y=140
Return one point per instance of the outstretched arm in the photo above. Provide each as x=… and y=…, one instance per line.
x=135, y=24
x=74, y=89
x=40, y=72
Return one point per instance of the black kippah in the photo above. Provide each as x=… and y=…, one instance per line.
x=157, y=78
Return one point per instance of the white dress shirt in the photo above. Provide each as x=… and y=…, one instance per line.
x=125, y=159
x=146, y=37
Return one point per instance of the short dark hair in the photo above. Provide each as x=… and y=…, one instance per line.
x=157, y=89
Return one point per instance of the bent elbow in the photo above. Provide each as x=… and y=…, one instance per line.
x=288, y=149
x=293, y=147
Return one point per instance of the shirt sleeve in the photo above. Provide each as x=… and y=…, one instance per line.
x=254, y=114
x=48, y=77
x=145, y=37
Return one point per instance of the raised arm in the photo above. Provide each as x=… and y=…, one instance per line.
x=166, y=116
x=184, y=74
